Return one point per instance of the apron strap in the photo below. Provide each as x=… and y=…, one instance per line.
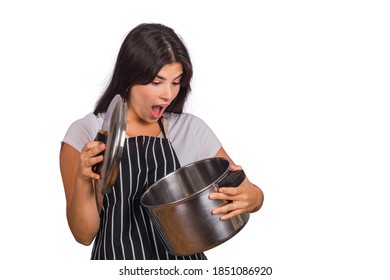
x=160, y=123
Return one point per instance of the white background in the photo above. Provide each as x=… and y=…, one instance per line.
x=297, y=91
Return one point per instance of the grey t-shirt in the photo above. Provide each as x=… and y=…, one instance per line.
x=190, y=136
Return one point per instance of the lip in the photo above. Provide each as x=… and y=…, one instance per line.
x=164, y=105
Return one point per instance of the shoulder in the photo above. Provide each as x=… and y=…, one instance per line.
x=191, y=137
x=88, y=122
x=83, y=130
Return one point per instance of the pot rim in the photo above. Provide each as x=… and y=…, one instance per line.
x=193, y=195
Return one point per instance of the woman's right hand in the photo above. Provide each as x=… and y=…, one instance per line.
x=90, y=155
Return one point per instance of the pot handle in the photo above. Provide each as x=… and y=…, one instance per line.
x=232, y=179
x=101, y=138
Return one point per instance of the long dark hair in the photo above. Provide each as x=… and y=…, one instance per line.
x=144, y=51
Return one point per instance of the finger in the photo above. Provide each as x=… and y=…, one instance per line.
x=228, y=211
x=95, y=160
x=94, y=147
x=87, y=170
x=230, y=190
x=234, y=167
x=90, y=145
x=224, y=209
x=88, y=161
x=97, y=149
x=231, y=214
x=219, y=196
x=229, y=193
x=93, y=175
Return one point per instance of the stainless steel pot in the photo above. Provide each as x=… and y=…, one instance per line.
x=180, y=209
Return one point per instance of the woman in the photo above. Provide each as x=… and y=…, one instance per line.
x=153, y=73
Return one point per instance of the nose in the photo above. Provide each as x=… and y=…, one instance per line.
x=167, y=94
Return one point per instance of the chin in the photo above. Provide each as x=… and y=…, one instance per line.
x=149, y=120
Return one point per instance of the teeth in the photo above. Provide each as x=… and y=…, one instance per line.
x=157, y=107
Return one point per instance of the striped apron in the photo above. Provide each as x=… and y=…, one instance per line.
x=126, y=232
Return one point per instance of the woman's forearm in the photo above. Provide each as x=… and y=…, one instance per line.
x=82, y=213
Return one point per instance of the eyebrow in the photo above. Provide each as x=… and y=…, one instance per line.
x=162, y=78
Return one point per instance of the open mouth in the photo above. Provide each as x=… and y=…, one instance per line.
x=157, y=111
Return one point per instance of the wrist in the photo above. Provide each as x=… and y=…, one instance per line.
x=259, y=198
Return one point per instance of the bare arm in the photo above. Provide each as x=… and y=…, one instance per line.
x=81, y=203
x=245, y=198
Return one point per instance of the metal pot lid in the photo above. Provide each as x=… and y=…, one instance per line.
x=113, y=134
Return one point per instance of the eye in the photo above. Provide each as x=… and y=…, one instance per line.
x=155, y=83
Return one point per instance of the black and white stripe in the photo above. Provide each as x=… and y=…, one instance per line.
x=126, y=232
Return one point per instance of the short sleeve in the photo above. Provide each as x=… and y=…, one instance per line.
x=191, y=138
x=83, y=130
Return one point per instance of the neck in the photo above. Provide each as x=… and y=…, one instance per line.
x=147, y=129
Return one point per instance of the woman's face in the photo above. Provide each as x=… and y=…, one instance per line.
x=148, y=102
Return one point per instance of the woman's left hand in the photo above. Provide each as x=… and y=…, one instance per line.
x=244, y=198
